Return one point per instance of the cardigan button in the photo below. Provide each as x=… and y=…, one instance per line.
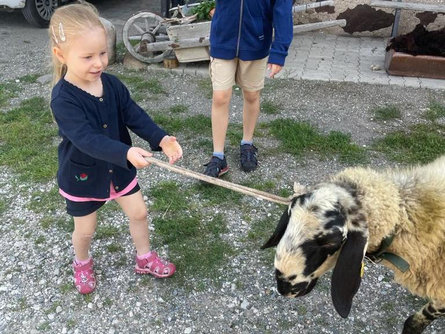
x=105, y=126
x=117, y=187
x=110, y=171
x=101, y=99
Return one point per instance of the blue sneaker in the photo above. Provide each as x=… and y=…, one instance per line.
x=216, y=167
x=248, y=160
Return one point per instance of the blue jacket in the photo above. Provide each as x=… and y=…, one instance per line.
x=95, y=139
x=243, y=29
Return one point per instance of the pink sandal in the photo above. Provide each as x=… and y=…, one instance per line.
x=84, y=279
x=154, y=265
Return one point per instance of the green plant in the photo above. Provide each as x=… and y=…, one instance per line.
x=301, y=137
x=202, y=11
x=27, y=136
x=387, y=113
x=435, y=111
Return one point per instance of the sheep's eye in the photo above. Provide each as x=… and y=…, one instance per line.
x=314, y=208
x=291, y=278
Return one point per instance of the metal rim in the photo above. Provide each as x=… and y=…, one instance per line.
x=45, y=8
x=143, y=24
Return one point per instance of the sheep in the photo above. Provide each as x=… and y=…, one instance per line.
x=339, y=222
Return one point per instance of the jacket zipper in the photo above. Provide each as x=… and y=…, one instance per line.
x=239, y=28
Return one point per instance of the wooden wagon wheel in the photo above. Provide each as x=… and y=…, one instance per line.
x=141, y=29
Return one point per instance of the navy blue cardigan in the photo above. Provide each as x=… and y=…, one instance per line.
x=243, y=29
x=95, y=139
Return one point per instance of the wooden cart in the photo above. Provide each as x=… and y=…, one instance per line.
x=151, y=38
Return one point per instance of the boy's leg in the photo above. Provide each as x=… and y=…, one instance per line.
x=220, y=117
x=251, y=111
x=250, y=77
x=222, y=74
x=134, y=207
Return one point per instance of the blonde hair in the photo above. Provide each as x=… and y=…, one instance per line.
x=66, y=22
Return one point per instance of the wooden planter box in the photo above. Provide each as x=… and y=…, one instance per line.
x=188, y=31
x=399, y=63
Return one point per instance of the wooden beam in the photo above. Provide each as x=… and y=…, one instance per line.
x=312, y=5
x=409, y=5
x=318, y=25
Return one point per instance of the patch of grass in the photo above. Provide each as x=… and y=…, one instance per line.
x=27, y=140
x=191, y=125
x=261, y=230
x=8, y=90
x=175, y=230
x=261, y=185
x=44, y=327
x=178, y=109
x=29, y=78
x=115, y=248
x=194, y=243
x=66, y=287
x=139, y=86
x=106, y=232
x=421, y=143
x=235, y=134
x=285, y=192
x=40, y=240
x=204, y=144
x=387, y=113
x=22, y=304
x=198, y=124
x=270, y=107
x=435, y=111
x=168, y=123
x=205, y=87
x=43, y=202
x=3, y=205
x=302, y=310
x=213, y=195
x=168, y=197
x=70, y=323
x=110, y=207
x=121, y=50
x=300, y=137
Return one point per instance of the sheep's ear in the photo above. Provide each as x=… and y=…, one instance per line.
x=346, y=277
x=299, y=189
x=279, y=231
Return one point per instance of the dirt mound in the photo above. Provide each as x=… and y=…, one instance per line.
x=420, y=42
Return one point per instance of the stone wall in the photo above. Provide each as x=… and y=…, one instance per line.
x=364, y=20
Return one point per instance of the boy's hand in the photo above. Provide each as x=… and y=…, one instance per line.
x=273, y=69
x=171, y=148
x=136, y=156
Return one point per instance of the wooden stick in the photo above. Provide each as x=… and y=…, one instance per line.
x=411, y=6
x=229, y=185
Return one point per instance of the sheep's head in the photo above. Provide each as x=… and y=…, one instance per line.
x=319, y=230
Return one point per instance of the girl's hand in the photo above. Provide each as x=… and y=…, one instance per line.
x=273, y=69
x=171, y=148
x=136, y=156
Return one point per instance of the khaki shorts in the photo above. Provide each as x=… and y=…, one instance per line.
x=249, y=75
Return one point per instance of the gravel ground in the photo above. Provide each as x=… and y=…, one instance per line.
x=35, y=277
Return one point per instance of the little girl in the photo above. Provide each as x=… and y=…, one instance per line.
x=97, y=161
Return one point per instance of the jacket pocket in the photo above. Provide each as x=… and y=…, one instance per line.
x=81, y=175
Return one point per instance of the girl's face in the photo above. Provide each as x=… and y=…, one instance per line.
x=85, y=56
